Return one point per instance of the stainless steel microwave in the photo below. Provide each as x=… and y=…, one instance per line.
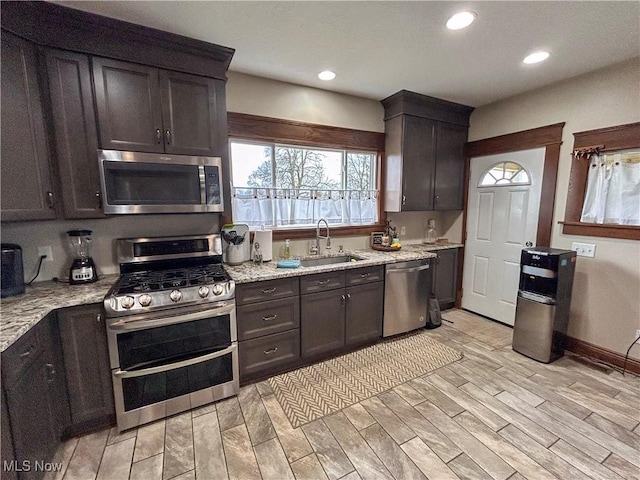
x=136, y=182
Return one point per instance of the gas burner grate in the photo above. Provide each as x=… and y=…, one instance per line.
x=151, y=281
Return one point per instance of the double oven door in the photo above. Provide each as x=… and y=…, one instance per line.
x=170, y=362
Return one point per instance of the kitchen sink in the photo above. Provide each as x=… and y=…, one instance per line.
x=316, y=262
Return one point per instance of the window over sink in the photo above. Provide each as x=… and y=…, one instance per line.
x=280, y=185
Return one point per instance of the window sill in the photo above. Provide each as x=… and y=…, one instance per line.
x=627, y=232
x=309, y=233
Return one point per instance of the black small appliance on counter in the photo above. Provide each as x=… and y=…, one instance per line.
x=82, y=270
x=12, y=270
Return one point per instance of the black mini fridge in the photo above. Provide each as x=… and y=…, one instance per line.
x=544, y=301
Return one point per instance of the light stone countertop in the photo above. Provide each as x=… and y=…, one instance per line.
x=249, y=272
x=18, y=314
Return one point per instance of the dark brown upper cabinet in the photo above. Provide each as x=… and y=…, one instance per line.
x=146, y=109
x=424, y=149
x=76, y=137
x=27, y=192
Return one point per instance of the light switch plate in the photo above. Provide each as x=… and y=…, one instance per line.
x=584, y=249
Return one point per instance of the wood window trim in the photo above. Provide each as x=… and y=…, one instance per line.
x=278, y=130
x=619, y=137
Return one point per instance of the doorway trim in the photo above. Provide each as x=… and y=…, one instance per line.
x=550, y=137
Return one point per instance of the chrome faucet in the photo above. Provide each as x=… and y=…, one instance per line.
x=315, y=249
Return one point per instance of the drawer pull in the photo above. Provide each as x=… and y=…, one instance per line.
x=271, y=350
x=364, y=275
x=268, y=319
x=323, y=282
x=28, y=352
x=269, y=290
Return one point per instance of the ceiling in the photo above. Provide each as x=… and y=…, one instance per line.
x=379, y=47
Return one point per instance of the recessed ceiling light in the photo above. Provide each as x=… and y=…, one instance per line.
x=536, y=57
x=461, y=20
x=326, y=75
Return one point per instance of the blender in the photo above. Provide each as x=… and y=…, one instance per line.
x=82, y=270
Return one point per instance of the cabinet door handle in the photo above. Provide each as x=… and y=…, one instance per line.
x=364, y=275
x=99, y=199
x=27, y=353
x=344, y=298
x=167, y=135
x=99, y=318
x=404, y=200
x=269, y=290
x=51, y=371
x=158, y=135
x=436, y=198
x=50, y=199
x=271, y=350
x=323, y=282
x=348, y=296
x=268, y=319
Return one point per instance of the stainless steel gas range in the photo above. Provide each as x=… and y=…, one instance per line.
x=171, y=326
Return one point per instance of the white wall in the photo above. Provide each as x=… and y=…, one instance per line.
x=271, y=98
x=606, y=300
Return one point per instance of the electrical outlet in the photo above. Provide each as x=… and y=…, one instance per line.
x=584, y=249
x=403, y=230
x=46, y=251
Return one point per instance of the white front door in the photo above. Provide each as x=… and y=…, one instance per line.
x=502, y=219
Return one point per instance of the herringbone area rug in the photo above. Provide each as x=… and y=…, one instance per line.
x=312, y=392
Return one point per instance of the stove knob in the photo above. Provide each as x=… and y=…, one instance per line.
x=203, y=291
x=175, y=295
x=127, y=302
x=218, y=289
x=145, y=300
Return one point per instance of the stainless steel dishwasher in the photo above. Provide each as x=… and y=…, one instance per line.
x=407, y=289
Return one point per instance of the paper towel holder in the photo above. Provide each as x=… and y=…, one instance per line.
x=265, y=238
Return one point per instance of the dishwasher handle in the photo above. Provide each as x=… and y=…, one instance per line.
x=408, y=270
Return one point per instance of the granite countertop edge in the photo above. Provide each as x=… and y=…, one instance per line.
x=18, y=314
x=249, y=272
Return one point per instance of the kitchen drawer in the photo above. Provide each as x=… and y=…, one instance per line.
x=322, y=282
x=365, y=275
x=267, y=290
x=18, y=357
x=264, y=353
x=265, y=318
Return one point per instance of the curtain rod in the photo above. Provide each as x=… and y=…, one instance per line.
x=586, y=152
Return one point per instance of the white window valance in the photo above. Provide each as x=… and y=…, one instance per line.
x=613, y=189
x=277, y=207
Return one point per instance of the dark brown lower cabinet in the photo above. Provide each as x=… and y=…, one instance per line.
x=445, y=277
x=86, y=363
x=36, y=399
x=8, y=456
x=322, y=317
x=268, y=353
x=364, y=310
x=344, y=316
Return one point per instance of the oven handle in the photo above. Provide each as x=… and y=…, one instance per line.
x=218, y=311
x=172, y=366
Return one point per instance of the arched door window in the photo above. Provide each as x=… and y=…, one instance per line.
x=505, y=173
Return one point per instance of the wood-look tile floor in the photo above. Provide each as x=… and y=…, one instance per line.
x=495, y=414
